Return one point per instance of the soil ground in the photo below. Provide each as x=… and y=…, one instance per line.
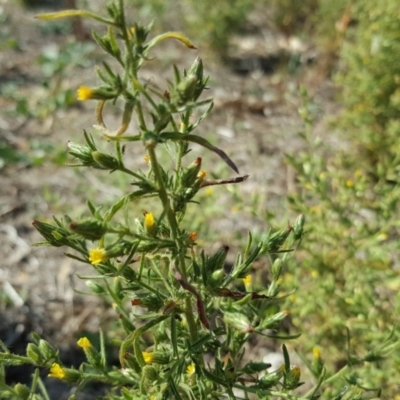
x=255, y=121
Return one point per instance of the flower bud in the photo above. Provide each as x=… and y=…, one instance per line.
x=47, y=350
x=298, y=227
x=276, y=269
x=91, y=229
x=239, y=322
x=317, y=364
x=95, y=287
x=150, y=373
x=54, y=235
x=217, y=277
x=197, y=70
x=150, y=302
x=33, y=352
x=217, y=260
x=271, y=379
x=23, y=391
x=69, y=375
x=274, y=241
x=189, y=174
x=273, y=320
x=131, y=362
x=91, y=353
x=161, y=357
x=292, y=378
x=82, y=153
x=150, y=223
x=106, y=161
x=184, y=91
x=97, y=93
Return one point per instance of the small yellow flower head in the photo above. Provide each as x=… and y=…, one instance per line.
x=191, y=369
x=56, y=371
x=148, y=357
x=247, y=280
x=149, y=222
x=193, y=236
x=96, y=256
x=84, y=343
x=146, y=158
x=296, y=372
x=209, y=191
x=350, y=183
x=382, y=236
x=316, y=352
x=201, y=175
x=84, y=93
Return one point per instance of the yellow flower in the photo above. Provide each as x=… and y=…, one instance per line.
x=349, y=183
x=149, y=222
x=56, y=371
x=84, y=342
x=209, y=191
x=296, y=372
x=148, y=357
x=146, y=158
x=316, y=352
x=84, y=93
x=193, y=236
x=191, y=369
x=201, y=175
x=247, y=280
x=96, y=256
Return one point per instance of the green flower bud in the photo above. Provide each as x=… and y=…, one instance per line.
x=217, y=277
x=317, y=364
x=160, y=357
x=97, y=93
x=105, y=161
x=197, y=70
x=217, y=260
x=298, y=227
x=151, y=303
x=95, y=287
x=54, y=235
x=33, y=352
x=273, y=320
x=91, y=229
x=131, y=362
x=276, y=269
x=150, y=373
x=238, y=321
x=184, y=91
x=271, y=379
x=23, y=391
x=82, y=153
x=292, y=378
x=189, y=174
x=91, y=353
x=274, y=241
x=47, y=350
x=255, y=367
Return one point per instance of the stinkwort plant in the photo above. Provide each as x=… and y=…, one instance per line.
x=185, y=316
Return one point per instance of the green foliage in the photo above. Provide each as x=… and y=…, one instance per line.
x=370, y=81
x=350, y=198
x=215, y=22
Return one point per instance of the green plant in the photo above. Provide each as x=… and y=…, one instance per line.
x=175, y=303
x=348, y=261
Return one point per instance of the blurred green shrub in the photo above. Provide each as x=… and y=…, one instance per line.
x=349, y=281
